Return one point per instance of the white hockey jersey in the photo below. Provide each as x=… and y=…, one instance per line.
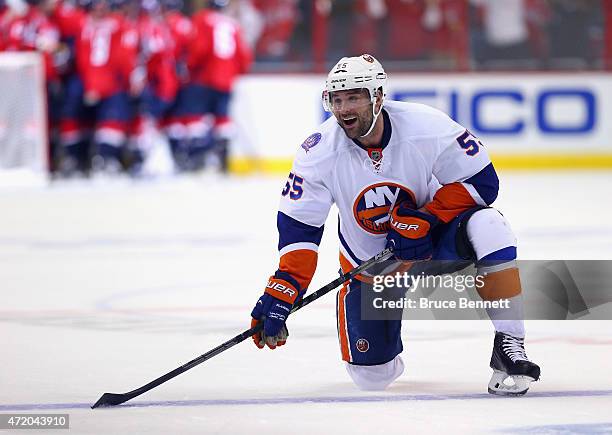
x=423, y=152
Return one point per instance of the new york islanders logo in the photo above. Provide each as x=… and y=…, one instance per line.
x=362, y=345
x=368, y=58
x=372, y=206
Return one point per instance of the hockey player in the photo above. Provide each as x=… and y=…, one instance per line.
x=376, y=160
x=72, y=153
x=182, y=112
x=29, y=29
x=100, y=62
x=218, y=55
x=157, y=52
x=159, y=80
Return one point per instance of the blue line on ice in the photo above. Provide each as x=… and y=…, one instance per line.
x=321, y=399
x=563, y=429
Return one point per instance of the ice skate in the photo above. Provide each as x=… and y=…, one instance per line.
x=512, y=371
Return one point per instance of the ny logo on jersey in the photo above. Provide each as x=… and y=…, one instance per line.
x=373, y=204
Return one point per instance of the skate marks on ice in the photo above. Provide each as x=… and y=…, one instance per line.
x=314, y=400
x=127, y=310
x=204, y=241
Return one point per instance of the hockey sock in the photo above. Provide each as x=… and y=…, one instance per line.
x=109, y=151
x=198, y=148
x=76, y=155
x=509, y=320
x=504, y=285
x=200, y=145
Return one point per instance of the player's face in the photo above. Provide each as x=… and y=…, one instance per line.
x=100, y=8
x=353, y=111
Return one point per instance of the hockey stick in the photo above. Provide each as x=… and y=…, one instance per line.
x=112, y=399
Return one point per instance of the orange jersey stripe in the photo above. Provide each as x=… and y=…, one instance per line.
x=300, y=264
x=345, y=264
x=449, y=201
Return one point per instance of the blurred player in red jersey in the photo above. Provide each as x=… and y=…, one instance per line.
x=181, y=113
x=157, y=53
x=279, y=19
x=156, y=70
x=217, y=57
x=128, y=13
x=101, y=66
x=3, y=17
x=29, y=29
x=66, y=18
x=180, y=26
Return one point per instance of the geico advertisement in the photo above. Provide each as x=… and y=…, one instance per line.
x=513, y=113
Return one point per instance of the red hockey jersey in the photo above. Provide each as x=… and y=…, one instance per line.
x=218, y=53
x=99, y=56
x=33, y=32
x=157, y=51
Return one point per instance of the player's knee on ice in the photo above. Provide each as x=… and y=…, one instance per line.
x=376, y=377
x=488, y=232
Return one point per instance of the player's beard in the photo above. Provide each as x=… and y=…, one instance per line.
x=361, y=126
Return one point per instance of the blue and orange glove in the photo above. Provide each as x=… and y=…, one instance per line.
x=410, y=233
x=273, y=308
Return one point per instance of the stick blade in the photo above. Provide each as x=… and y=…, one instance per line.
x=110, y=399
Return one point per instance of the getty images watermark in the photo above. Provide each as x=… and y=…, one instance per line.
x=409, y=283
x=556, y=289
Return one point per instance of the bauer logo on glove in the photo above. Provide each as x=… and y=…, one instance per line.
x=284, y=289
x=410, y=232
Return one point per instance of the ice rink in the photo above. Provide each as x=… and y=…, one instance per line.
x=107, y=285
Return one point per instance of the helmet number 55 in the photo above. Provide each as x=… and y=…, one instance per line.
x=293, y=187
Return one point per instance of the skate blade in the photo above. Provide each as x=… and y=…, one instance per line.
x=499, y=387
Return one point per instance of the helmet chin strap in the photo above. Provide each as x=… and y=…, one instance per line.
x=374, y=117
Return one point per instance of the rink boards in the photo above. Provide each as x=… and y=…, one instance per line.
x=535, y=120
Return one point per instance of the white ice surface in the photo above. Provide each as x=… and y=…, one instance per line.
x=108, y=285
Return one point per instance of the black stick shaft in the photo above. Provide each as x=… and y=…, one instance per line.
x=111, y=399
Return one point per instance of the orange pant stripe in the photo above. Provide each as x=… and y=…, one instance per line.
x=342, y=325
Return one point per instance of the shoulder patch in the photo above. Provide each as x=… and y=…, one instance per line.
x=311, y=141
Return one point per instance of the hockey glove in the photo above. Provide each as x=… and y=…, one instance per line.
x=273, y=308
x=410, y=233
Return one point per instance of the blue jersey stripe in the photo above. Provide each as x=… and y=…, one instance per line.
x=486, y=183
x=348, y=249
x=293, y=231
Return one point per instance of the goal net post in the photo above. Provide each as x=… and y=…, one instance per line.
x=24, y=155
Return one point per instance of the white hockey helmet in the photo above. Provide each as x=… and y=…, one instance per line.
x=359, y=72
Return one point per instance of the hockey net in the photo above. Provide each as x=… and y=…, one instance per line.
x=23, y=123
